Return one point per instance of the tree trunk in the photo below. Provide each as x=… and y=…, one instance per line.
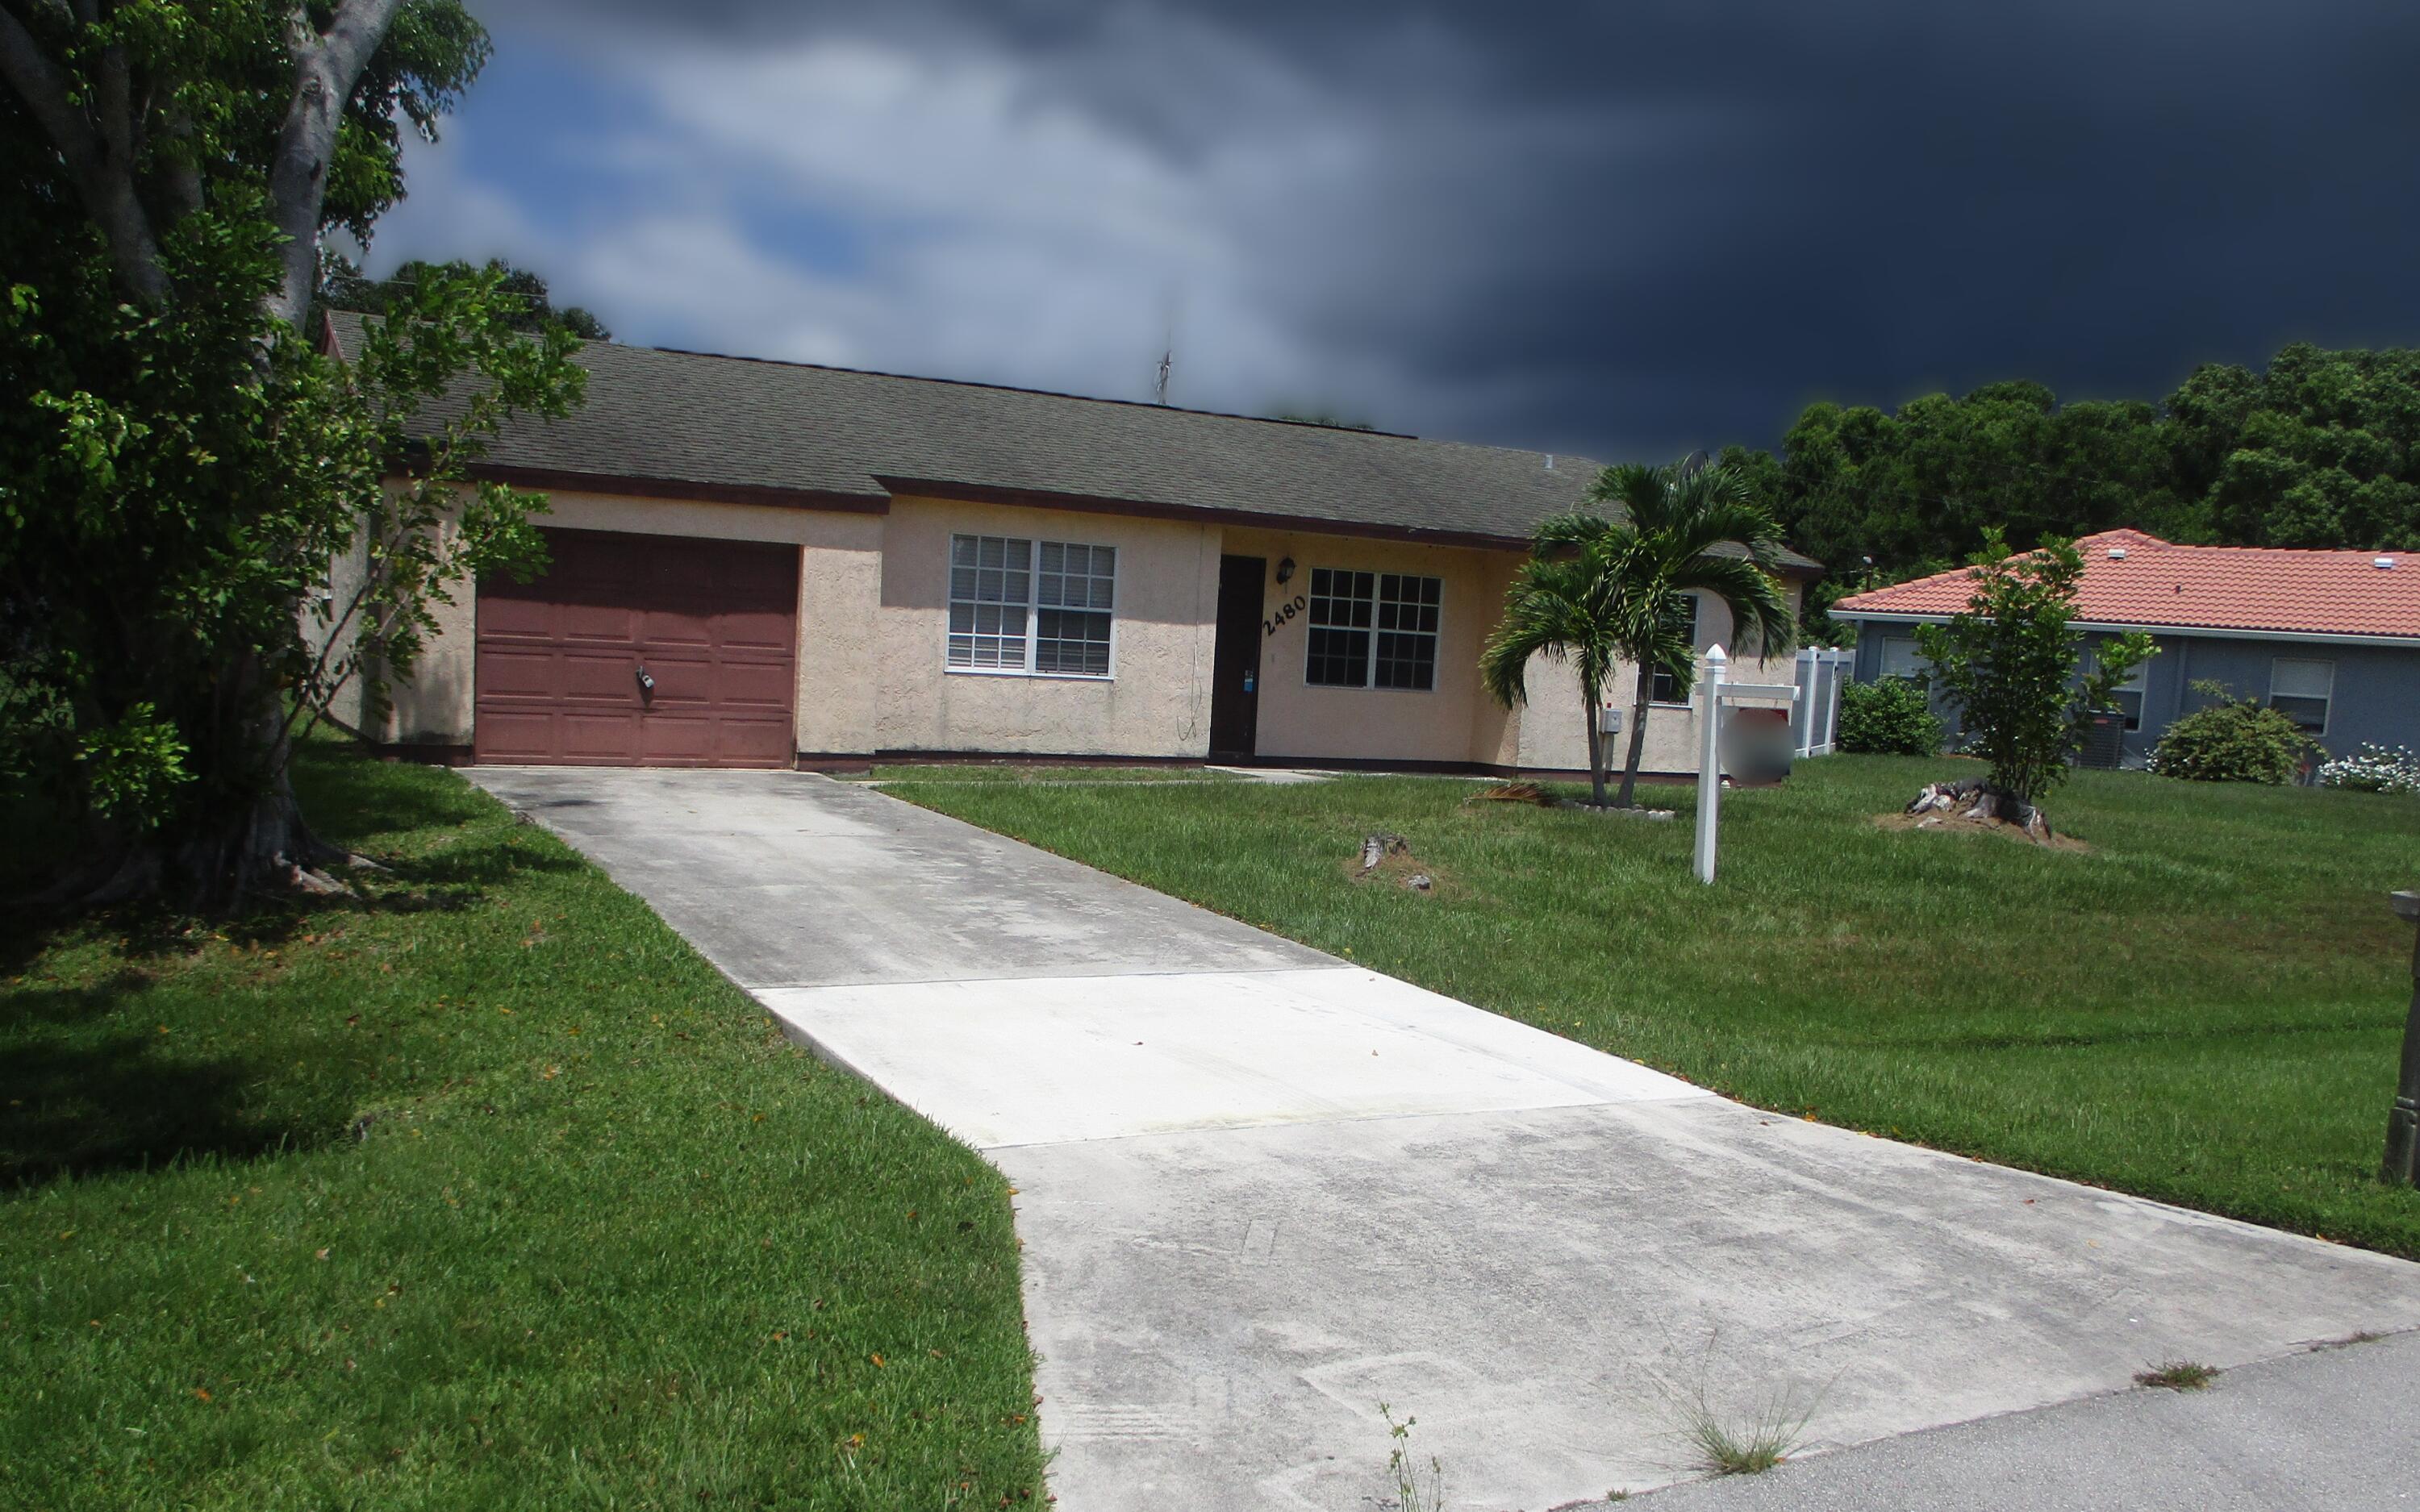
x=1629, y=798
x=1589, y=698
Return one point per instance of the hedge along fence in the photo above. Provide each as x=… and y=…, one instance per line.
x=1888, y=718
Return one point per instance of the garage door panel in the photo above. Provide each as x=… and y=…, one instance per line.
x=515, y=619
x=584, y=676
x=765, y=630
x=611, y=623
x=515, y=673
x=754, y=685
x=754, y=742
x=515, y=735
x=598, y=737
x=680, y=681
x=715, y=622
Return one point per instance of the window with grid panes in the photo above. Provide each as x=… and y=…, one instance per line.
x=1342, y=607
x=1405, y=654
x=1026, y=606
x=1372, y=629
x=1683, y=616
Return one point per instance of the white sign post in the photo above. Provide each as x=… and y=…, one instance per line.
x=1720, y=691
x=1709, y=763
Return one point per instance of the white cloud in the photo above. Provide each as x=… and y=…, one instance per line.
x=989, y=226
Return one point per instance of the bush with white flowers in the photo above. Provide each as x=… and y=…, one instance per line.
x=2375, y=769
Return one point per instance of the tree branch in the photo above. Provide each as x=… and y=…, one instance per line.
x=103, y=179
x=326, y=66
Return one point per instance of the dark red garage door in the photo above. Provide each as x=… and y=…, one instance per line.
x=713, y=622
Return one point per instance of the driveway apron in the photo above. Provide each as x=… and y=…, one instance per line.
x=1263, y=1191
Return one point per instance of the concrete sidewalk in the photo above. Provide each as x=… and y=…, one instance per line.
x=1263, y=1191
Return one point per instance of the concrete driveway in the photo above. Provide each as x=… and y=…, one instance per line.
x=1263, y=1191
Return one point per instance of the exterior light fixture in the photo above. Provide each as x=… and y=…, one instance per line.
x=1285, y=570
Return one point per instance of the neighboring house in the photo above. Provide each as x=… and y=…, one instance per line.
x=762, y=563
x=2331, y=639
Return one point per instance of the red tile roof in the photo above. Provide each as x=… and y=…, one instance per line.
x=2133, y=578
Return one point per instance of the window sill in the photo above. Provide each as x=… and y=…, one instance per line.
x=1017, y=671
x=1362, y=688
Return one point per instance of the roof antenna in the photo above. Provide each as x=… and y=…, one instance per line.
x=1168, y=349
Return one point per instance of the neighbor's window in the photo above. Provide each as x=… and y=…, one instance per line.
x=1902, y=659
x=1372, y=629
x=1027, y=606
x=2301, y=691
x=2128, y=696
x=1683, y=616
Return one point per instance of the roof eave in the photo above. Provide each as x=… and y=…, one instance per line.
x=2216, y=632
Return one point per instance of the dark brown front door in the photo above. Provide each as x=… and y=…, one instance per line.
x=640, y=651
x=1235, y=657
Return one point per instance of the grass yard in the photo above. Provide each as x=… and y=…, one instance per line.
x=480, y=1191
x=2205, y=1008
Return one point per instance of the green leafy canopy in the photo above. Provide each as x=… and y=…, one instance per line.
x=2009, y=662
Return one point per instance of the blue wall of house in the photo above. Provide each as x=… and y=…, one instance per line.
x=2375, y=698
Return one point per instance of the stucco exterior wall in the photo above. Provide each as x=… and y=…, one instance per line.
x=873, y=673
x=433, y=705
x=1454, y=722
x=1156, y=700
x=1554, y=733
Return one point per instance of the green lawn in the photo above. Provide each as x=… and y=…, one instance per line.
x=480, y=1191
x=2205, y=1007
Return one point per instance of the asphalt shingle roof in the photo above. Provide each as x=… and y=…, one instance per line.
x=676, y=416
x=2133, y=578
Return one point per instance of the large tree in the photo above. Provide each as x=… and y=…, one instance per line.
x=531, y=305
x=1605, y=585
x=183, y=474
x=2319, y=449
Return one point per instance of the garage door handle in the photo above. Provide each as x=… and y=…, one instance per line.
x=646, y=680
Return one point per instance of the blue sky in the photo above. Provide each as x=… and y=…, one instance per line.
x=1618, y=230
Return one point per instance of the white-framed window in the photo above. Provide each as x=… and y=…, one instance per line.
x=1902, y=659
x=2302, y=691
x=1683, y=616
x=1018, y=606
x=1372, y=629
x=2128, y=695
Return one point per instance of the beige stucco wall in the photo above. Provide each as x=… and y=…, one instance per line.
x=1554, y=736
x=1454, y=722
x=1156, y=700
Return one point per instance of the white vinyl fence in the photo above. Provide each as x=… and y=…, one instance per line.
x=1815, y=719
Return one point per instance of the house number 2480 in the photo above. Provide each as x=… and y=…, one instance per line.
x=1285, y=611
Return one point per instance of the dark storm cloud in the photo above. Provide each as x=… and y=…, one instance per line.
x=1642, y=228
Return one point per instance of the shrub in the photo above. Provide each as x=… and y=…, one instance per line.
x=2375, y=769
x=2233, y=740
x=2008, y=663
x=1889, y=718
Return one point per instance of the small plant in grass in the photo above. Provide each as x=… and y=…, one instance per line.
x=2231, y=740
x=1888, y=718
x=2375, y=768
x=1418, y=1488
x=1726, y=1446
x=2178, y=1375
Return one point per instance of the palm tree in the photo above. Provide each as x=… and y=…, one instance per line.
x=1600, y=588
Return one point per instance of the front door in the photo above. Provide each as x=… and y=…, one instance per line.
x=1235, y=659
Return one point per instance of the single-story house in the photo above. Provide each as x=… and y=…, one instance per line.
x=2331, y=639
x=761, y=564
